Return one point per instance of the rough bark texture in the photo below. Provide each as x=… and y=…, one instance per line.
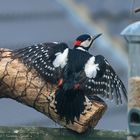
x=27, y=87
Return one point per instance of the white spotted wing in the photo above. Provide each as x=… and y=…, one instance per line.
x=103, y=82
x=48, y=59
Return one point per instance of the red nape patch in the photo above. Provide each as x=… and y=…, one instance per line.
x=77, y=43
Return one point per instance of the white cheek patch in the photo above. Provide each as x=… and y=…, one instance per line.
x=85, y=43
x=61, y=59
x=91, y=68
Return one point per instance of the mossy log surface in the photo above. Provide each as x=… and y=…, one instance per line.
x=34, y=133
x=27, y=87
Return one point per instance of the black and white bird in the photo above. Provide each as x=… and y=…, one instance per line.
x=78, y=74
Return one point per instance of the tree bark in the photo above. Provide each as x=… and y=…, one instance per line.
x=27, y=87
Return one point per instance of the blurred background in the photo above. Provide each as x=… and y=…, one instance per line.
x=25, y=22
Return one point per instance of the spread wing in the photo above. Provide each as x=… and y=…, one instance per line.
x=102, y=80
x=48, y=59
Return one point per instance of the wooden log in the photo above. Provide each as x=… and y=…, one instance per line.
x=27, y=87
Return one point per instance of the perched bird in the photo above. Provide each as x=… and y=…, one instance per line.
x=78, y=74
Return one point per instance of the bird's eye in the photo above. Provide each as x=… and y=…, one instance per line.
x=88, y=39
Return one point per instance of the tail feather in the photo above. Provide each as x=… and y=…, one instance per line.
x=69, y=104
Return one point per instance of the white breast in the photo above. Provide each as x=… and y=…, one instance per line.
x=91, y=68
x=61, y=59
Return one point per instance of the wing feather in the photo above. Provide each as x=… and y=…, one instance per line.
x=41, y=57
x=106, y=83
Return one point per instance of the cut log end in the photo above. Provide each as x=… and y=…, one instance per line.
x=26, y=86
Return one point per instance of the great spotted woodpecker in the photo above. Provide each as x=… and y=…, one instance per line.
x=78, y=74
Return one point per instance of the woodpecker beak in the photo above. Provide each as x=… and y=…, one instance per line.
x=96, y=36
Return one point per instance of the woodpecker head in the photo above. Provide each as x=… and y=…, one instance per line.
x=85, y=41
